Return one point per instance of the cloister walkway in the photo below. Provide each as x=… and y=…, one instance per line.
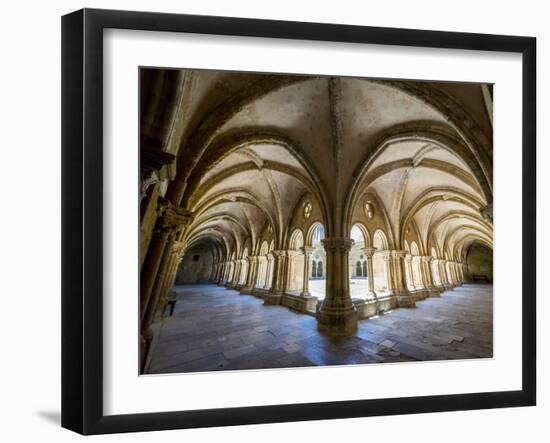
x=217, y=329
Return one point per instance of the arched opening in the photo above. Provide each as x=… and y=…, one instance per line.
x=247, y=183
x=380, y=270
x=243, y=267
x=318, y=256
x=479, y=263
x=358, y=268
x=196, y=265
x=296, y=262
x=262, y=265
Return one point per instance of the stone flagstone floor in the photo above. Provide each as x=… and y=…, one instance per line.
x=215, y=329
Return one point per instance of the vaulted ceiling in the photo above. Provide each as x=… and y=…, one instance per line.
x=250, y=146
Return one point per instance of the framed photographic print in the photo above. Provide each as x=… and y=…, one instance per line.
x=269, y=221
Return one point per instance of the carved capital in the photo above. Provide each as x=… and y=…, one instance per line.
x=171, y=218
x=178, y=247
x=306, y=250
x=385, y=255
x=399, y=254
x=369, y=251
x=293, y=253
x=487, y=213
x=154, y=164
x=337, y=244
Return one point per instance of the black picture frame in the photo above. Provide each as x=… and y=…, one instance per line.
x=82, y=220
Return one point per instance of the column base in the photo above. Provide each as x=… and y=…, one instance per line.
x=299, y=303
x=420, y=294
x=337, y=323
x=148, y=342
x=245, y=290
x=371, y=296
x=405, y=300
x=272, y=298
x=434, y=291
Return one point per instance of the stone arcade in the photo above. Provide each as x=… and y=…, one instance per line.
x=338, y=199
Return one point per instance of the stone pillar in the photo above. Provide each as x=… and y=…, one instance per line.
x=461, y=272
x=251, y=276
x=409, y=273
x=279, y=271
x=436, y=275
x=400, y=289
x=260, y=273
x=221, y=278
x=452, y=273
x=427, y=276
x=337, y=314
x=278, y=281
x=457, y=273
x=417, y=273
x=170, y=222
x=445, y=275
x=307, y=250
x=269, y=258
x=369, y=252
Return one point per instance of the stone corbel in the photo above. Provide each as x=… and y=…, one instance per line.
x=172, y=218
x=487, y=213
x=155, y=165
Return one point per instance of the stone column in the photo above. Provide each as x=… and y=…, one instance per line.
x=268, y=279
x=251, y=277
x=174, y=261
x=278, y=281
x=337, y=314
x=279, y=271
x=400, y=288
x=170, y=222
x=457, y=273
x=427, y=277
x=409, y=273
x=436, y=274
x=168, y=228
x=260, y=273
x=461, y=272
x=221, y=277
x=386, y=258
x=307, y=250
x=417, y=273
x=445, y=275
x=454, y=280
x=369, y=252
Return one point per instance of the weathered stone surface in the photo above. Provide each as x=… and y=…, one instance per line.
x=214, y=329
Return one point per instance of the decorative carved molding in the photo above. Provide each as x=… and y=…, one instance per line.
x=369, y=210
x=369, y=251
x=487, y=213
x=154, y=164
x=171, y=218
x=340, y=244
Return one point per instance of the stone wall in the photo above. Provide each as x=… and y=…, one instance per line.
x=196, y=266
x=480, y=263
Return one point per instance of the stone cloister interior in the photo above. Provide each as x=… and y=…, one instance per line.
x=303, y=220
